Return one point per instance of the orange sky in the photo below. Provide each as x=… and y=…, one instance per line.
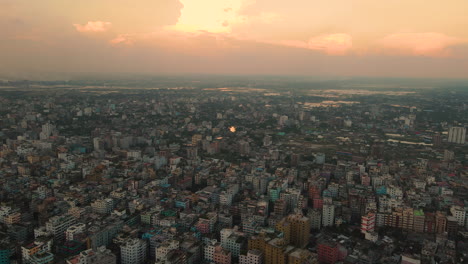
x=413, y=38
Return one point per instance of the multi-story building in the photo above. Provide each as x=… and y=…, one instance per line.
x=103, y=206
x=232, y=241
x=408, y=218
x=328, y=215
x=419, y=221
x=163, y=249
x=300, y=256
x=276, y=251
x=441, y=222
x=253, y=256
x=5, y=253
x=315, y=219
x=42, y=258
x=74, y=231
x=368, y=223
x=100, y=256
x=210, y=248
x=300, y=230
x=57, y=225
x=459, y=213
x=457, y=135
x=133, y=251
x=328, y=252
x=222, y=256
x=284, y=227
x=40, y=245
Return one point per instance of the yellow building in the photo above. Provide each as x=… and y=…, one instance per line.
x=300, y=230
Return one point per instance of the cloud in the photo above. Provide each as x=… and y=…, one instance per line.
x=214, y=16
x=430, y=44
x=125, y=39
x=331, y=44
x=93, y=27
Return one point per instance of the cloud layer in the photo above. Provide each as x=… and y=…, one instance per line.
x=420, y=44
x=93, y=27
x=234, y=36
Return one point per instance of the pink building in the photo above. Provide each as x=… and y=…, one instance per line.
x=203, y=226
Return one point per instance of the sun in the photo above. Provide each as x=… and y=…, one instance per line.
x=214, y=16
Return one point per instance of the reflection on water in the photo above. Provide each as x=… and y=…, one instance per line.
x=329, y=104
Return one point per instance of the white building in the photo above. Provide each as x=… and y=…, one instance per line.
x=164, y=248
x=210, y=248
x=328, y=215
x=459, y=213
x=457, y=135
x=103, y=206
x=133, y=251
x=57, y=226
x=74, y=230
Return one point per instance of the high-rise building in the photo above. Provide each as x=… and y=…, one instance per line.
x=275, y=251
x=419, y=219
x=210, y=248
x=408, y=218
x=315, y=218
x=368, y=223
x=300, y=230
x=327, y=252
x=441, y=222
x=459, y=213
x=328, y=215
x=284, y=227
x=133, y=251
x=457, y=135
x=436, y=139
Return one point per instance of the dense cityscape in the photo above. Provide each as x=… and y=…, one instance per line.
x=232, y=171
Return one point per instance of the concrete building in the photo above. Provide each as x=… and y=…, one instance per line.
x=300, y=230
x=133, y=251
x=253, y=256
x=368, y=223
x=57, y=226
x=328, y=215
x=327, y=252
x=74, y=230
x=459, y=213
x=100, y=256
x=222, y=256
x=163, y=249
x=457, y=135
x=103, y=206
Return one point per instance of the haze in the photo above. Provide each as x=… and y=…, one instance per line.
x=398, y=38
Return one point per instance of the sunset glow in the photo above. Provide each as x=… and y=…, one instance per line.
x=357, y=37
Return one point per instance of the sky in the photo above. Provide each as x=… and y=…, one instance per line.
x=390, y=38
